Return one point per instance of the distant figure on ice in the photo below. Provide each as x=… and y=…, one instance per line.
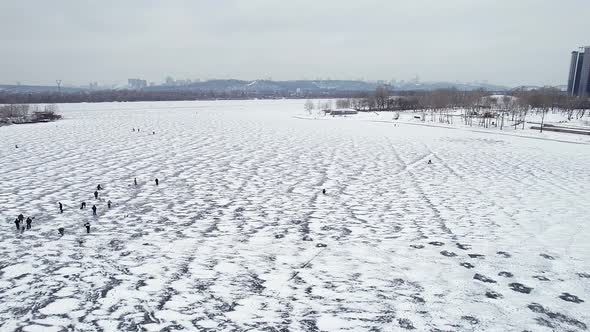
x=153, y=132
x=96, y=195
x=29, y=221
x=324, y=191
x=137, y=129
x=17, y=223
x=157, y=181
x=98, y=187
x=135, y=181
x=22, y=229
x=21, y=217
x=109, y=203
x=61, y=208
x=429, y=161
x=93, y=210
x=83, y=205
x=87, y=225
x=16, y=146
x=61, y=231
x=133, y=129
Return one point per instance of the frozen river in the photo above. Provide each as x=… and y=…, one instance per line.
x=493, y=235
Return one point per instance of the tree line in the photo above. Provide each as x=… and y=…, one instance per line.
x=26, y=113
x=477, y=107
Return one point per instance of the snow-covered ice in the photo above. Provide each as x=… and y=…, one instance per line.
x=493, y=235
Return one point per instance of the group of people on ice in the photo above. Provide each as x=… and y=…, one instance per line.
x=22, y=224
x=61, y=230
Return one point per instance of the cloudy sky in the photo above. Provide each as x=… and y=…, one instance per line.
x=508, y=42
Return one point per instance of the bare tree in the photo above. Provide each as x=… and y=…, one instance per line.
x=343, y=103
x=309, y=106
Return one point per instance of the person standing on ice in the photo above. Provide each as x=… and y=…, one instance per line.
x=61, y=231
x=93, y=210
x=109, y=203
x=83, y=205
x=21, y=217
x=429, y=161
x=61, y=208
x=135, y=181
x=157, y=182
x=87, y=225
x=96, y=195
x=17, y=223
x=324, y=191
x=29, y=221
x=98, y=187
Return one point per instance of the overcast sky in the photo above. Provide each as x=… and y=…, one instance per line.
x=508, y=42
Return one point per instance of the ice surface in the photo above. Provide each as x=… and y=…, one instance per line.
x=493, y=235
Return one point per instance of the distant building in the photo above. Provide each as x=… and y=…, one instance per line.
x=578, y=83
x=341, y=111
x=136, y=83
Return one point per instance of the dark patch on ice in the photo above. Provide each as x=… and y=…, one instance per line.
x=542, y=278
x=136, y=235
x=139, y=284
x=309, y=325
x=493, y=295
x=405, y=323
x=21, y=276
x=417, y=246
x=279, y=236
x=307, y=238
x=436, y=243
x=116, y=244
x=252, y=283
x=168, y=293
x=504, y=254
x=506, y=274
x=226, y=307
x=448, y=253
x=202, y=285
x=547, y=256
x=543, y=322
x=467, y=265
x=321, y=245
x=483, y=278
x=570, y=298
x=476, y=255
x=518, y=287
x=463, y=246
x=470, y=319
x=387, y=318
x=556, y=316
x=584, y=275
x=111, y=283
x=417, y=299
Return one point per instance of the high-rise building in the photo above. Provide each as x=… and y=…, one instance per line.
x=578, y=83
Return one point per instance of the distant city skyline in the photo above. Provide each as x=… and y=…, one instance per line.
x=499, y=41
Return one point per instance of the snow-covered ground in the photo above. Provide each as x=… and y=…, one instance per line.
x=492, y=236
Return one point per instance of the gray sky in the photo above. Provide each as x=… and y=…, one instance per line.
x=502, y=41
